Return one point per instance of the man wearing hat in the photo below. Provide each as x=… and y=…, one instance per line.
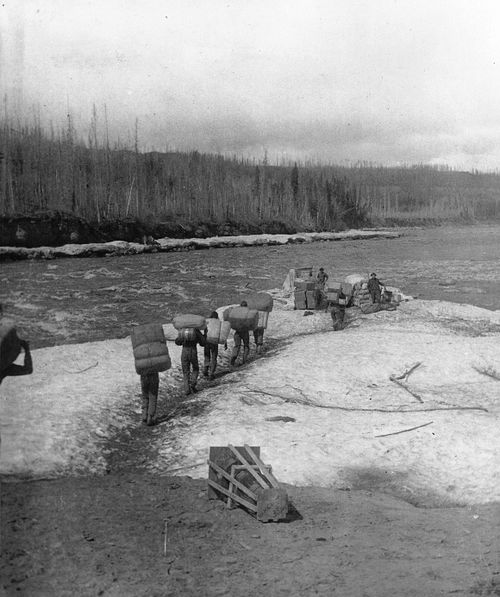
x=374, y=286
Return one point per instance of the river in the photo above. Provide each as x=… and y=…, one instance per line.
x=78, y=300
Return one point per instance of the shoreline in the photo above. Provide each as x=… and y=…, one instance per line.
x=119, y=248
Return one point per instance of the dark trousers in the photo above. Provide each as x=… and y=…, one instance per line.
x=149, y=387
x=318, y=298
x=210, y=352
x=376, y=295
x=258, y=336
x=190, y=367
x=239, y=338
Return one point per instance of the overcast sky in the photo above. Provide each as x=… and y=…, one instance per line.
x=388, y=81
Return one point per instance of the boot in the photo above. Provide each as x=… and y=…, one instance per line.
x=233, y=361
x=205, y=372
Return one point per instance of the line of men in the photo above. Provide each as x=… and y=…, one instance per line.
x=190, y=364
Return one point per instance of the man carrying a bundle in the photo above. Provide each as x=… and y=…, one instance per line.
x=189, y=338
x=239, y=337
x=211, y=352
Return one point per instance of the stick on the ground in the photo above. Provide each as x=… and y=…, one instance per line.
x=405, y=430
x=82, y=370
x=398, y=410
x=184, y=468
x=405, y=387
x=408, y=372
x=164, y=537
x=487, y=371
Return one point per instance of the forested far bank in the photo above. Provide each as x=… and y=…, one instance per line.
x=115, y=188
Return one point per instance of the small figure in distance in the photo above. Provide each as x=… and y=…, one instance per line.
x=211, y=352
x=374, y=288
x=338, y=312
x=239, y=337
x=321, y=280
x=12, y=369
x=189, y=359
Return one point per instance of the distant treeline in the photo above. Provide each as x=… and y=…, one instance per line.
x=57, y=171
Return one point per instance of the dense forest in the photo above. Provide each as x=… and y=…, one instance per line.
x=56, y=171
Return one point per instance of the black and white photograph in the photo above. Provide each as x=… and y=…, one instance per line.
x=249, y=298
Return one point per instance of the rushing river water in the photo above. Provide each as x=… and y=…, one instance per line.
x=77, y=300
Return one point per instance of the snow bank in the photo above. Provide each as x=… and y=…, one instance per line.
x=120, y=247
x=351, y=423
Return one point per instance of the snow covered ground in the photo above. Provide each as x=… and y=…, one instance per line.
x=121, y=247
x=319, y=403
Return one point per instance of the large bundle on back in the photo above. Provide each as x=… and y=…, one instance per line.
x=263, y=319
x=170, y=331
x=217, y=331
x=150, y=351
x=10, y=345
x=333, y=291
x=189, y=321
x=243, y=318
x=187, y=334
x=261, y=301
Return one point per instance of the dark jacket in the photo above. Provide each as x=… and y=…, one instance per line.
x=374, y=284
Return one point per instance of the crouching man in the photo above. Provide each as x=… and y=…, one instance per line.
x=338, y=312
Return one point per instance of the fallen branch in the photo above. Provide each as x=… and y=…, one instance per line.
x=405, y=387
x=489, y=371
x=184, y=468
x=82, y=370
x=368, y=410
x=405, y=430
x=408, y=372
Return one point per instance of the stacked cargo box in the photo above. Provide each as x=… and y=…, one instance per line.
x=304, y=290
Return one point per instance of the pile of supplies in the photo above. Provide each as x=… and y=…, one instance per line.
x=304, y=287
x=350, y=292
